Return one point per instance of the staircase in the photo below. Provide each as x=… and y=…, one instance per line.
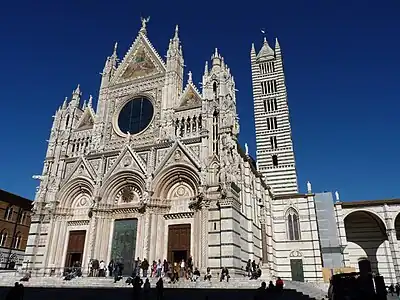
x=241, y=283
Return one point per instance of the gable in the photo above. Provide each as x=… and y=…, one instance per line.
x=141, y=61
x=127, y=160
x=190, y=97
x=178, y=153
x=81, y=168
x=86, y=121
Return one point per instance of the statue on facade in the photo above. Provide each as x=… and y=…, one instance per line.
x=309, y=188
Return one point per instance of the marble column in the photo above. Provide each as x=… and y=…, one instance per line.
x=91, y=237
x=153, y=238
x=61, y=241
x=204, y=239
x=146, y=237
x=52, y=249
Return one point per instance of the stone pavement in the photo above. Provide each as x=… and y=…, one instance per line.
x=312, y=290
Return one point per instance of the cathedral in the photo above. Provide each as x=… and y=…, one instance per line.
x=155, y=171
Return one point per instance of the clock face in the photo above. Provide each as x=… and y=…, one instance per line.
x=136, y=115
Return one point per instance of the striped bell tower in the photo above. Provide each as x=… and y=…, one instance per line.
x=275, y=154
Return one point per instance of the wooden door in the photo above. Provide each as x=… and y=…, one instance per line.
x=178, y=242
x=296, y=266
x=76, y=246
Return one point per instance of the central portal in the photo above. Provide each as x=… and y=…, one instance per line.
x=178, y=242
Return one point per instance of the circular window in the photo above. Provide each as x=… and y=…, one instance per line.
x=136, y=115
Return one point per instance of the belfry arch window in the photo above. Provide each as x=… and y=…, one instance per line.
x=293, y=225
x=67, y=122
x=215, y=89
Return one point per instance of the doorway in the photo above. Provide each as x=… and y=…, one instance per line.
x=76, y=246
x=178, y=242
x=296, y=266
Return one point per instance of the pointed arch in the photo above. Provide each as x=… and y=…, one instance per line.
x=17, y=240
x=8, y=213
x=119, y=181
x=292, y=224
x=173, y=175
x=73, y=189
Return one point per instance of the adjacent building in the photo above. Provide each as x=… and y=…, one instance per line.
x=15, y=221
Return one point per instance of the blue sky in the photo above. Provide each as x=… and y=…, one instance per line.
x=341, y=61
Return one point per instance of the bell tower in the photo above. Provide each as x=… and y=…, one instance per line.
x=275, y=154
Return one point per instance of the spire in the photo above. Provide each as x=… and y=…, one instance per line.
x=84, y=105
x=253, y=49
x=266, y=52
x=216, y=58
x=64, y=106
x=76, y=96
x=206, y=69
x=176, y=36
x=115, y=50
x=90, y=101
x=277, y=46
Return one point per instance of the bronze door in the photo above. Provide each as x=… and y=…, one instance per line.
x=76, y=245
x=178, y=242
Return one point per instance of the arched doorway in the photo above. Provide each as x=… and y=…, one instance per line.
x=367, y=242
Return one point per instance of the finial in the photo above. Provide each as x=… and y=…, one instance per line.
x=115, y=49
x=265, y=40
x=246, y=147
x=190, y=77
x=144, y=24
x=90, y=101
x=253, y=48
x=206, y=68
x=77, y=90
x=84, y=104
x=216, y=52
x=176, y=31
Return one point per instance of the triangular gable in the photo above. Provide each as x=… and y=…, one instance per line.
x=214, y=160
x=190, y=96
x=86, y=121
x=141, y=60
x=177, y=154
x=127, y=160
x=81, y=169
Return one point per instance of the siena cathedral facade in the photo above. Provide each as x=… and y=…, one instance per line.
x=156, y=171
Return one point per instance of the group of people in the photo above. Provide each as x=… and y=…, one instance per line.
x=263, y=289
x=16, y=292
x=394, y=289
x=137, y=283
x=253, y=269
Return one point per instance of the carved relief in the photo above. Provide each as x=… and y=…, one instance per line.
x=129, y=193
x=144, y=156
x=95, y=163
x=196, y=150
x=110, y=162
x=161, y=154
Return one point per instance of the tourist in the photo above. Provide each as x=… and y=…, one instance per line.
x=159, y=268
x=208, y=275
x=146, y=289
x=26, y=277
x=14, y=293
x=136, y=268
x=137, y=287
x=248, y=268
x=175, y=276
x=165, y=268
x=224, y=274
x=160, y=289
x=279, y=284
x=182, y=268
x=102, y=267
x=196, y=274
x=110, y=268
x=190, y=264
x=271, y=286
x=153, y=268
x=261, y=292
x=145, y=267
